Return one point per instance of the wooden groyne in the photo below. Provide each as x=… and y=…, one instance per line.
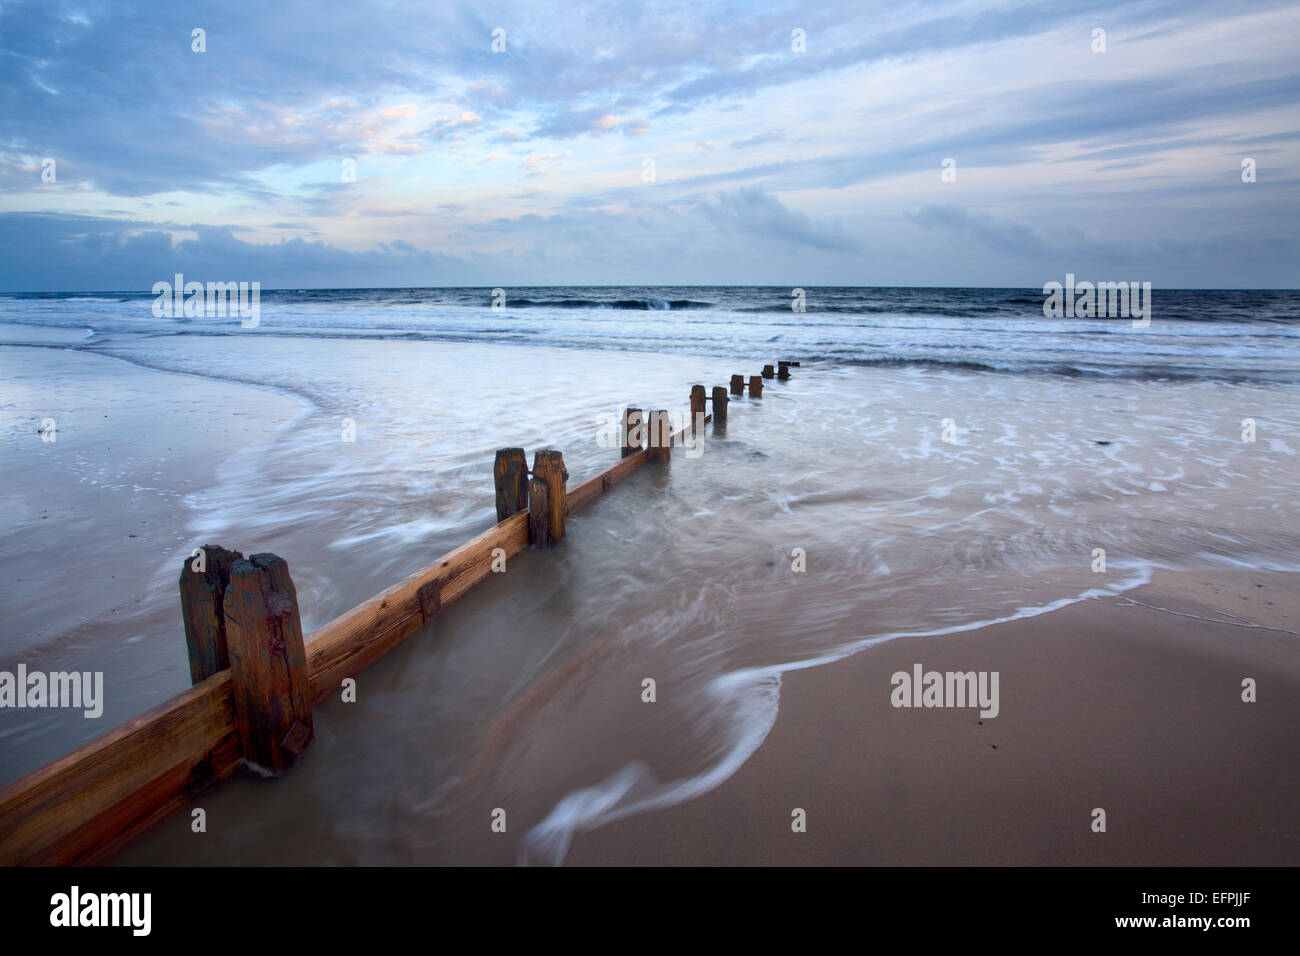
x=255, y=677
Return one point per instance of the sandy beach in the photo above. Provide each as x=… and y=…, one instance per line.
x=858, y=520
x=1132, y=704
x=650, y=435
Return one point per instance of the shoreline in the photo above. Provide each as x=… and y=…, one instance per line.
x=109, y=504
x=1105, y=704
x=552, y=723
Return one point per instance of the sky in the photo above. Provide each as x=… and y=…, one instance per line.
x=650, y=143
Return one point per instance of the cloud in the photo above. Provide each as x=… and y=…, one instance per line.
x=753, y=212
x=996, y=234
x=759, y=139
x=87, y=253
x=252, y=133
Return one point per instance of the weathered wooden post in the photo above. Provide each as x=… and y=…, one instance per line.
x=511, y=474
x=204, y=578
x=792, y=364
x=755, y=386
x=768, y=371
x=548, y=465
x=737, y=384
x=538, y=513
x=698, y=407
x=633, y=429
x=268, y=666
x=661, y=436
x=719, y=407
x=783, y=370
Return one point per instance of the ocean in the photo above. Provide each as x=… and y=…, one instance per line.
x=942, y=458
x=1232, y=334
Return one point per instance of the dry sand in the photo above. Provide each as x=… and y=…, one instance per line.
x=1133, y=708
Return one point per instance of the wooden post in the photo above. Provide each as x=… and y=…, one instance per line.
x=768, y=371
x=698, y=407
x=511, y=474
x=719, y=407
x=268, y=666
x=548, y=464
x=202, y=594
x=633, y=428
x=792, y=364
x=538, y=512
x=783, y=370
x=755, y=386
x=737, y=384
x=661, y=434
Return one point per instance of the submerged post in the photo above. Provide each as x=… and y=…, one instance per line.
x=548, y=464
x=511, y=474
x=661, y=436
x=755, y=386
x=268, y=666
x=767, y=371
x=204, y=579
x=698, y=411
x=719, y=407
x=737, y=384
x=633, y=427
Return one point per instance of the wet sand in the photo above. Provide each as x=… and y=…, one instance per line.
x=1103, y=704
x=97, y=524
x=526, y=695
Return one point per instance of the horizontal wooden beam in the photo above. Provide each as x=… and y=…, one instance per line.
x=345, y=645
x=88, y=803
x=584, y=494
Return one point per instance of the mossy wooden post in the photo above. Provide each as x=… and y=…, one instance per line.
x=538, y=513
x=698, y=407
x=783, y=370
x=203, y=591
x=548, y=464
x=511, y=474
x=755, y=386
x=737, y=385
x=719, y=407
x=633, y=427
x=661, y=436
x=268, y=667
x=768, y=371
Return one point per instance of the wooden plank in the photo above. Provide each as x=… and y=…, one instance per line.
x=110, y=789
x=591, y=489
x=113, y=829
x=344, y=646
x=679, y=436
